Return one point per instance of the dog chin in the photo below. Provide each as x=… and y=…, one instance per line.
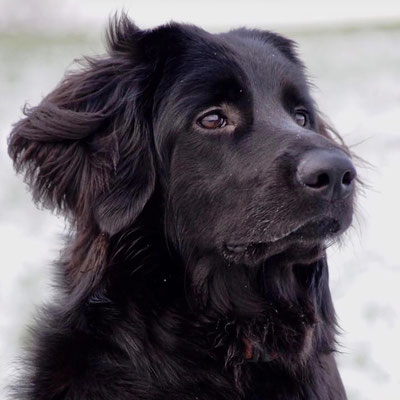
x=304, y=245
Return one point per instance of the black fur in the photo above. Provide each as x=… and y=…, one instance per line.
x=195, y=268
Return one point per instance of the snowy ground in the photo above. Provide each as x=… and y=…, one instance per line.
x=357, y=72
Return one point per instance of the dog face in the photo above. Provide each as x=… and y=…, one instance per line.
x=223, y=124
x=252, y=170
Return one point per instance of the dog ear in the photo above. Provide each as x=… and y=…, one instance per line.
x=286, y=46
x=87, y=149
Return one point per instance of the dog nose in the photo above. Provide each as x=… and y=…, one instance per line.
x=329, y=174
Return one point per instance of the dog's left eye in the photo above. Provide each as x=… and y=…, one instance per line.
x=301, y=118
x=213, y=120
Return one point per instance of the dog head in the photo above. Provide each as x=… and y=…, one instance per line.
x=222, y=127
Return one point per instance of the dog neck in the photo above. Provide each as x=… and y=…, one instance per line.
x=275, y=312
x=268, y=313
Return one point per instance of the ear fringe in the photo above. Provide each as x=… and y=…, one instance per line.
x=88, y=139
x=67, y=146
x=61, y=161
x=286, y=46
x=121, y=33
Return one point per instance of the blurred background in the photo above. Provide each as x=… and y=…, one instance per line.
x=352, y=50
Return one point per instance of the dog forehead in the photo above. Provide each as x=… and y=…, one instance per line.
x=262, y=61
x=267, y=67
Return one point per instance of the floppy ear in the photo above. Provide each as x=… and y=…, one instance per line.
x=86, y=150
x=286, y=46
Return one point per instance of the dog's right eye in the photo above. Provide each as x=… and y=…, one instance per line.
x=212, y=120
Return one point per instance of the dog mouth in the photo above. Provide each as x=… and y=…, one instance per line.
x=306, y=242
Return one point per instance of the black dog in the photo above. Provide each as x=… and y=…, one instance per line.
x=202, y=187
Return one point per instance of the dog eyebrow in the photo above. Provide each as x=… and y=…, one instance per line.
x=295, y=94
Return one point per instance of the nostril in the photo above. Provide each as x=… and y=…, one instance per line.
x=348, y=178
x=319, y=181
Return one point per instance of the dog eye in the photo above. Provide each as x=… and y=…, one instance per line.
x=212, y=120
x=301, y=118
